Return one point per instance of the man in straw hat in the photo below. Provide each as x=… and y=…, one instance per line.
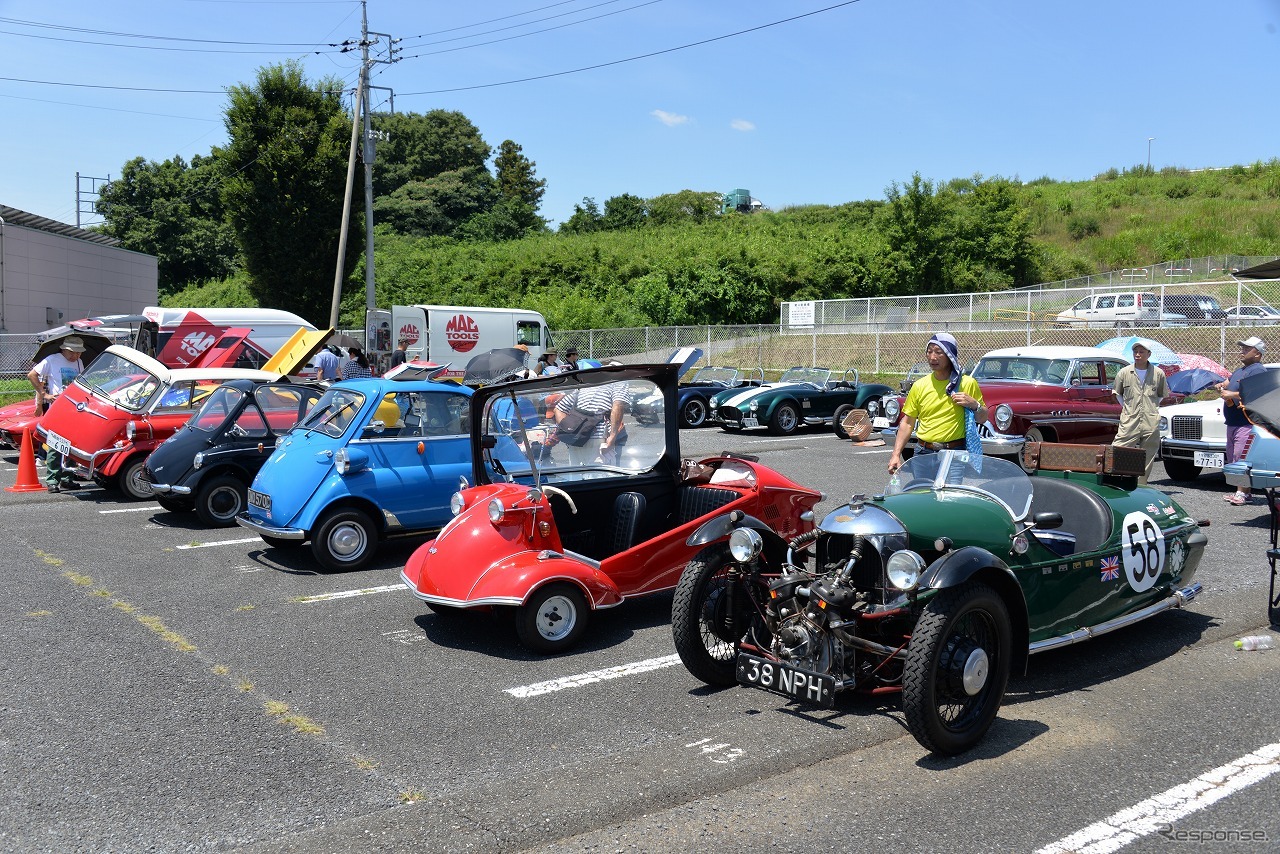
x=1140, y=387
x=49, y=377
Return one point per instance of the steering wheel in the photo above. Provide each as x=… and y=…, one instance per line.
x=237, y=431
x=554, y=490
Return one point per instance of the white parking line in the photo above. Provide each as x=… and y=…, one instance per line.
x=221, y=543
x=130, y=510
x=347, y=594
x=594, y=676
x=1156, y=814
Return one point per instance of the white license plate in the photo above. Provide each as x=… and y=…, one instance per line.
x=750, y=422
x=260, y=500
x=1207, y=459
x=880, y=422
x=57, y=443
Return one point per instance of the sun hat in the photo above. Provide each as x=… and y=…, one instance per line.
x=1255, y=342
x=74, y=344
x=947, y=342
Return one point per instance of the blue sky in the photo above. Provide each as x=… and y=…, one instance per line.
x=826, y=108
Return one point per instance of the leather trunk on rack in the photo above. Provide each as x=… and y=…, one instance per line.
x=1098, y=459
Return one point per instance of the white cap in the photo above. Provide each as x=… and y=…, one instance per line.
x=1255, y=342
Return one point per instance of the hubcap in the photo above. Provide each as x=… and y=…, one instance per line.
x=347, y=541
x=224, y=503
x=556, y=618
x=976, y=668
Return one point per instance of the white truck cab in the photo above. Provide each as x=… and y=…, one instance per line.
x=451, y=335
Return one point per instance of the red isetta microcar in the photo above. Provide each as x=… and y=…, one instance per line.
x=121, y=408
x=556, y=527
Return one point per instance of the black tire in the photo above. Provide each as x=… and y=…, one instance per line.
x=344, y=540
x=785, y=420
x=553, y=619
x=693, y=413
x=132, y=480
x=963, y=636
x=280, y=543
x=698, y=617
x=220, y=499
x=174, y=505
x=841, y=412
x=1181, y=470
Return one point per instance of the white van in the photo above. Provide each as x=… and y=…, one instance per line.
x=451, y=335
x=1125, y=309
x=182, y=334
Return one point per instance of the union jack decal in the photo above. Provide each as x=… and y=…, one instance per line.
x=1110, y=568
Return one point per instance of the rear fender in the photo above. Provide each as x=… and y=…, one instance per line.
x=974, y=564
x=518, y=576
x=722, y=526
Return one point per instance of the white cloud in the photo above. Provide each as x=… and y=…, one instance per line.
x=742, y=125
x=669, y=119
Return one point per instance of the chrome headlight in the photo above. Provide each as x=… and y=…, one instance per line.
x=873, y=408
x=755, y=405
x=496, y=511
x=745, y=544
x=891, y=408
x=130, y=430
x=197, y=460
x=1003, y=416
x=342, y=461
x=457, y=503
x=904, y=569
x=1163, y=424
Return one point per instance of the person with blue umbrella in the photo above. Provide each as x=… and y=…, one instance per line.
x=1238, y=426
x=1140, y=387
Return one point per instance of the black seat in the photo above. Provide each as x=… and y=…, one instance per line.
x=628, y=509
x=1083, y=512
x=698, y=501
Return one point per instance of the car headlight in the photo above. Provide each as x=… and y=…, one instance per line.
x=457, y=503
x=342, y=461
x=496, y=511
x=1163, y=424
x=745, y=544
x=197, y=460
x=130, y=430
x=755, y=405
x=904, y=569
x=873, y=408
x=891, y=408
x=1003, y=416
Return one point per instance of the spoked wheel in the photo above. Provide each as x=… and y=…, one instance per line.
x=345, y=539
x=705, y=626
x=785, y=420
x=957, y=668
x=553, y=619
x=693, y=413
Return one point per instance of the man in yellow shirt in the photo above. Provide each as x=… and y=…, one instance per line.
x=936, y=402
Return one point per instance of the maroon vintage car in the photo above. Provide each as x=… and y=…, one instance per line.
x=1044, y=394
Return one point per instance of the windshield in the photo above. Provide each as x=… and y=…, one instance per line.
x=724, y=376
x=120, y=381
x=220, y=404
x=528, y=433
x=334, y=412
x=999, y=479
x=1022, y=369
x=815, y=376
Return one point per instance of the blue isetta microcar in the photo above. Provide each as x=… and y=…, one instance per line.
x=374, y=458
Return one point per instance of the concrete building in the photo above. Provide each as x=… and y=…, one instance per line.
x=51, y=272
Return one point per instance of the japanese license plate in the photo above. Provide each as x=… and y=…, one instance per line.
x=1208, y=459
x=816, y=688
x=748, y=421
x=880, y=422
x=57, y=443
x=260, y=500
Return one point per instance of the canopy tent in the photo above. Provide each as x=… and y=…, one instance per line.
x=1265, y=270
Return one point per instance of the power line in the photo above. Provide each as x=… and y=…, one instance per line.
x=630, y=58
x=151, y=47
x=514, y=26
x=496, y=20
x=118, y=88
x=93, y=32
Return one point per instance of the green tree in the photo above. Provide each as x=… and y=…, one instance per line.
x=586, y=218
x=914, y=225
x=624, y=211
x=437, y=206
x=174, y=212
x=286, y=165
x=516, y=175
x=684, y=207
x=421, y=146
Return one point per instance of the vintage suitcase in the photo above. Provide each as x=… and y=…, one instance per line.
x=1098, y=459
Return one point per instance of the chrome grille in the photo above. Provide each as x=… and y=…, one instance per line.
x=1186, y=427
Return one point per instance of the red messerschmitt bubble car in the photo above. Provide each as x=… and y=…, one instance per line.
x=563, y=522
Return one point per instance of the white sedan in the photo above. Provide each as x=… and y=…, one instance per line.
x=1193, y=437
x=1253, y=315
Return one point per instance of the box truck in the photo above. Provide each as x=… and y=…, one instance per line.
x=451, y=335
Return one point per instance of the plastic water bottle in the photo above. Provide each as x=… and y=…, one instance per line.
x=1252, y=642
x=895, y=485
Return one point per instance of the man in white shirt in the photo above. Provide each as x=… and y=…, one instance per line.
x=49, y=378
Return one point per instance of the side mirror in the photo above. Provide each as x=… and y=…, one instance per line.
x=1048, y=520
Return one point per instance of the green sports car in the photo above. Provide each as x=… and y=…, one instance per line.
x=938, y=589
x=803, y=396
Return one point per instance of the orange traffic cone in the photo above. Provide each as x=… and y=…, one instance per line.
x=28, y=480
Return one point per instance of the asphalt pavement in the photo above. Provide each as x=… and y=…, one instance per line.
x=169, y=687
